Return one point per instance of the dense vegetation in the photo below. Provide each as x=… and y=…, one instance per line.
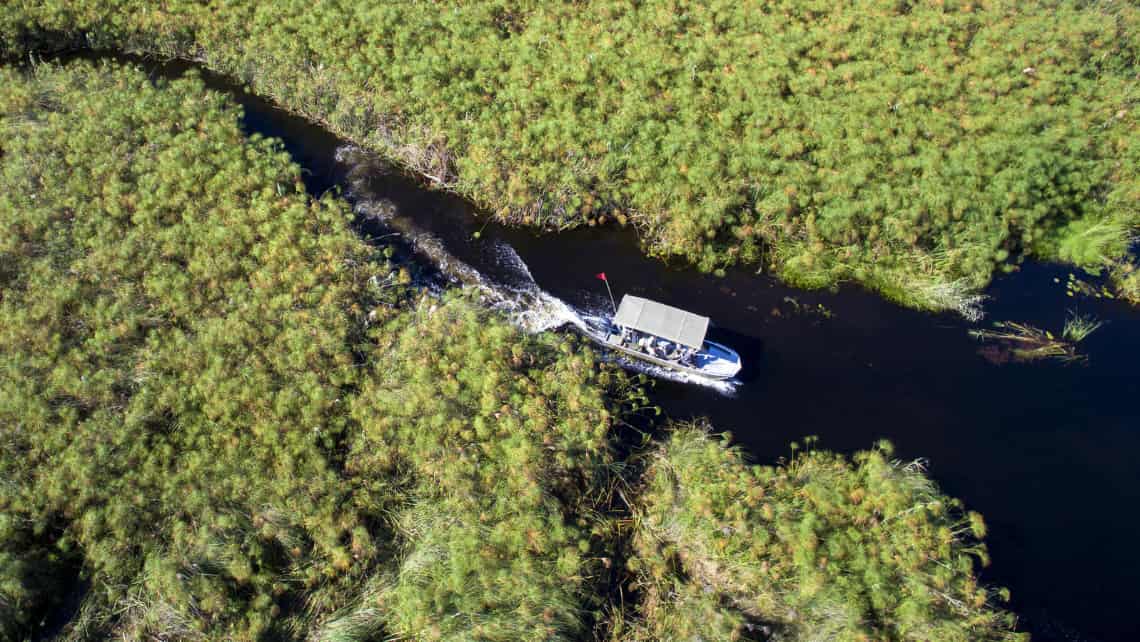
x=224, y=417
x=817, y=548
x=913, y=147
x=211, y=408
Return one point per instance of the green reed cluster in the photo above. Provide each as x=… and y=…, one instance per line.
x=178, y=320
x=818, y=547
x=912, y=147
x=505, y=451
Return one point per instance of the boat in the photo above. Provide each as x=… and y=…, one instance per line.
x=668, y=337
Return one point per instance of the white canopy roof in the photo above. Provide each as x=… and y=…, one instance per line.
x=662, y=320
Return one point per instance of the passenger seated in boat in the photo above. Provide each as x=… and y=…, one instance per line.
x=652, y=349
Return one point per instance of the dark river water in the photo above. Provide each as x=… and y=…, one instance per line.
x=1046, y=451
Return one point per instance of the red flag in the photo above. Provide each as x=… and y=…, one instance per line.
x=600, y=275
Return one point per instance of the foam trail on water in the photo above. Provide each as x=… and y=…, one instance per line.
x=724, y=387
x=507, y=256
x=535, y=310
x=538, y=311
x=528, y=305
x=515, y=294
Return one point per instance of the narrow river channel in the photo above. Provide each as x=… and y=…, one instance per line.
x=1046, y=451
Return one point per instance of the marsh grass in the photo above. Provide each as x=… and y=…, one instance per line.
x=818, y=547
x=266, y=458
x=363, y=619
x=726, y=166
x=1126, y=281
x=1079, y=326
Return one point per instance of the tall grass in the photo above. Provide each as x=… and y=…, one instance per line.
x=1126, y=278
x=817, y=547
x=555, y=115
x=202, y=410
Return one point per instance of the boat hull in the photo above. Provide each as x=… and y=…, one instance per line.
x=727, y=360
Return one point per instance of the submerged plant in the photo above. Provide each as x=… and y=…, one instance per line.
x=1023, y=342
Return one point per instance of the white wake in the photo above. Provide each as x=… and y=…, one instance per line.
x=517, y=296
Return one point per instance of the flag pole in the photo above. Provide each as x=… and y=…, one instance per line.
x=602, y=276
x=611, y=295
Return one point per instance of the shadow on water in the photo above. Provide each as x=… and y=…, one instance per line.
x=1045, y=451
